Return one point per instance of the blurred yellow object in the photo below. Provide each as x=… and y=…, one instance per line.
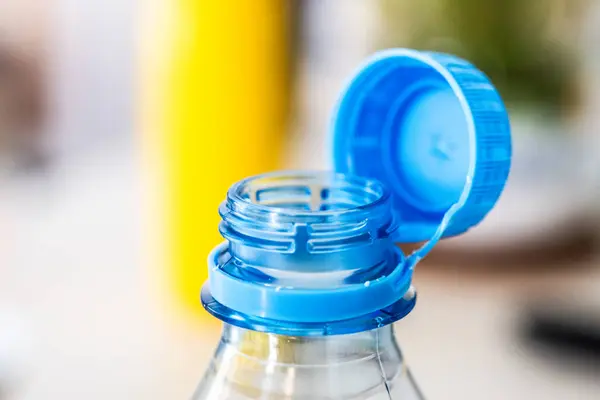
x=220, y=106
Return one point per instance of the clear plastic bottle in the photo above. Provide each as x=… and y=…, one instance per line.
x=255, y=365
x=310, y=281
x=293, y=241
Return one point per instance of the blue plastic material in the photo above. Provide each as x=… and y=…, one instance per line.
x=306, y=312
x=435, y=131
x=275, y=301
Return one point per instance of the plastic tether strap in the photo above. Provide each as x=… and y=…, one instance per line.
x=422, y=252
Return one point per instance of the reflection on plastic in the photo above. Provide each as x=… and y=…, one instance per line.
x=255, y=365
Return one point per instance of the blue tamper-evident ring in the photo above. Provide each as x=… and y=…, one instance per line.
x=434, y=130
x=305, y=305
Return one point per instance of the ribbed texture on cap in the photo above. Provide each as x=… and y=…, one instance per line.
x=493, y=141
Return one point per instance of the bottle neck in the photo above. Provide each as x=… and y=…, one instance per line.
x=312, y=350
x=309, y=230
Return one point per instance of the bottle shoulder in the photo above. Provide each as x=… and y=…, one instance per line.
x=249, y=365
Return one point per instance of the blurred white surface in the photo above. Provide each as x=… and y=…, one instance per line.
x=15, y=347
x=74, y=271
x=91, y=56
x=463, y=340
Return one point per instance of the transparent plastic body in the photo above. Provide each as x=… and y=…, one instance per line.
x=256, y=365
x=307, y=285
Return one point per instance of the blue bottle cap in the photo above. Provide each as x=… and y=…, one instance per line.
x=432, y=128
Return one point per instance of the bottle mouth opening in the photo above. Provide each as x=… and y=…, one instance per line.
x=307, y=197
